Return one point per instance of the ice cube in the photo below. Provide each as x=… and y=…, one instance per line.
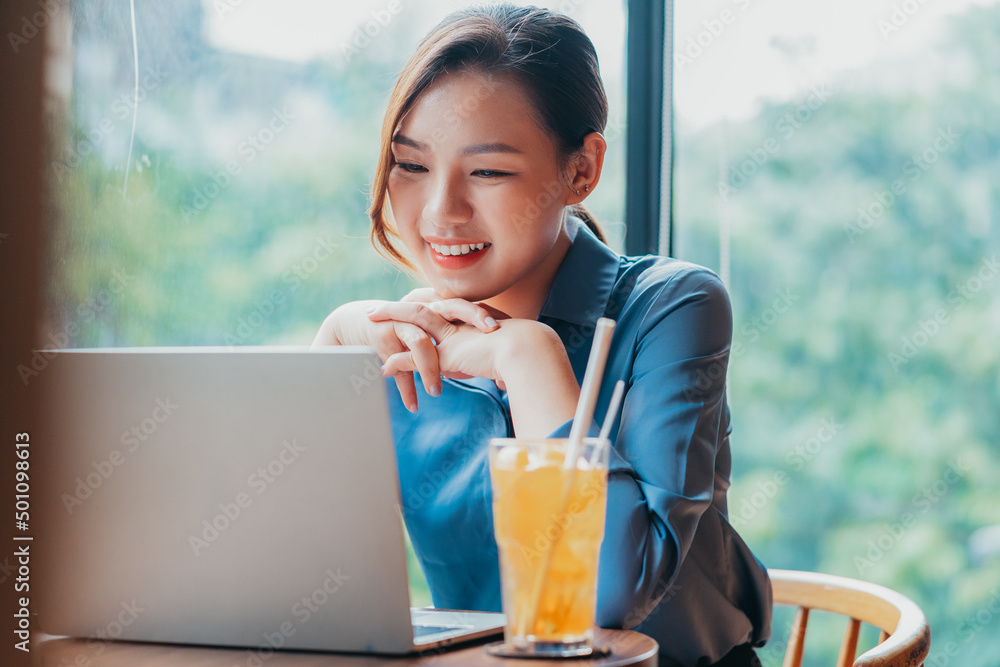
x=507, y=458
x=537, y=459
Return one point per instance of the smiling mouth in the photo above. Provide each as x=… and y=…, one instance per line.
x=452, y=250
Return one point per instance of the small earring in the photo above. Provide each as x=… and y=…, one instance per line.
x=586, y=188
x=577, y=192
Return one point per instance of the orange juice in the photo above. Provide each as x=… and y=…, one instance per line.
x=548, y=529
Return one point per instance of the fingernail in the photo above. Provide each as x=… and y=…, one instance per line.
x=435, y=390
x=370, y=310
x=491, y=323
x=412, y=407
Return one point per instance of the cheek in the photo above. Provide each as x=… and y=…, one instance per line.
x=532, y=213
x=405, y=202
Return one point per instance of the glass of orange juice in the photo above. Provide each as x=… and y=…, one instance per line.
x=549, y=522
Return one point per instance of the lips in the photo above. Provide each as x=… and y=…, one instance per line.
x=458, y=255
x=459, y=249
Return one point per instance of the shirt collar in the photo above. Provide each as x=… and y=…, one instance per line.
x=585, y=279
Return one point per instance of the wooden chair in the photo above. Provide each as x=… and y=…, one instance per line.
x=905, y=639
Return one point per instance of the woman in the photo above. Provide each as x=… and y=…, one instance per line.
x=490, y=144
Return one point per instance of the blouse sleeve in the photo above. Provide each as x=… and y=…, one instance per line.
x=662, y=470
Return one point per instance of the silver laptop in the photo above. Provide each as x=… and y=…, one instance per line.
x=243, y=497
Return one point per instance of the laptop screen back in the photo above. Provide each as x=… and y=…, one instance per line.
x=243, y=497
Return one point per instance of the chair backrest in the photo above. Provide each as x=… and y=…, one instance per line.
x=904, y=641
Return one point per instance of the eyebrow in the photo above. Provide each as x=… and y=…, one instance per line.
x=475, y=149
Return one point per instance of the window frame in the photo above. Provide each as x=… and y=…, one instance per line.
x=649, y=149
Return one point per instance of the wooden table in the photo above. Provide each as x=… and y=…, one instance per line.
x=627, y=648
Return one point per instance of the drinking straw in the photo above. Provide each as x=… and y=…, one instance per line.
x=581, y=421
x=609, y=419
x=588, y=392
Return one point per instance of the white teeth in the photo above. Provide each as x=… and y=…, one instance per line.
x=451, y=250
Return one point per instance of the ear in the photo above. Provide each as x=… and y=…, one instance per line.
x=584, y=171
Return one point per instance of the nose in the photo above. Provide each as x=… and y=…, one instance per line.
x=448, y=202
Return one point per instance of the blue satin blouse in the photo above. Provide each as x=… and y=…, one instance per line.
x=671, y=565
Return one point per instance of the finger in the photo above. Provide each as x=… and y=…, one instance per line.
x=423, y=356
x=465, y=311
x=420, y=315
x=407, y=390
x=399, y=366
x=495, y=312
x=386, y=342
x=387, y=345
x=421, y=295
x=432, y=317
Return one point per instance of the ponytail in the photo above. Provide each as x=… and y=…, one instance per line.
x=580, y=211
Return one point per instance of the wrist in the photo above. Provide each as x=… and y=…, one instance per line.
x=541, y=386
x=527, y=344
x=346, y=324
x=529, y=347
x=326, y=334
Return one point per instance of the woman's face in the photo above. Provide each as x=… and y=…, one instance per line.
x=476, y=189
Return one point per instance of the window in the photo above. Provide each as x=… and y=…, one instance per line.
x=240, y=216
x=836, y=163
x=209, y=167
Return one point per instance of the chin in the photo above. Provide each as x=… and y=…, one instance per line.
x=472, y=293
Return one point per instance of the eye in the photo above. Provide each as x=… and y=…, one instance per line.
x=410, y=167
x=489, y=173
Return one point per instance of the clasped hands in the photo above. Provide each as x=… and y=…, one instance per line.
x=433, y=336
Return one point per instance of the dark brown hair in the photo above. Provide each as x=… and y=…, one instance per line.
x=547, y=53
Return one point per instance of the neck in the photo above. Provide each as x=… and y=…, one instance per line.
x=525, y=299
